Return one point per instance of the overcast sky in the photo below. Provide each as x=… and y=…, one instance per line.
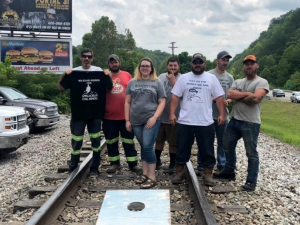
x=205, y=26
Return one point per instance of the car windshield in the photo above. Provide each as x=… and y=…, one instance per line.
x=280, y=91
x=13, y=94
x=297, y=93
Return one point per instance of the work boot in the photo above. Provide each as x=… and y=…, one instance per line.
x=224, y=175
x=136, y=169
x=113, y=168
x=179, y=176
x=74, y=163
x=207, y=177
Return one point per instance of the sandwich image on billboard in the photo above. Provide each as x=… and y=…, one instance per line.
x=14, y=55
x=30, y=55
x=46, y=56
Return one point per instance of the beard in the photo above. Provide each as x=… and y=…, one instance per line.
x=222, y=67
x=114, y=69
x=198, y=72
x=250, y=74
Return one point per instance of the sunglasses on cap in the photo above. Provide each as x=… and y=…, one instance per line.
x=86, y=56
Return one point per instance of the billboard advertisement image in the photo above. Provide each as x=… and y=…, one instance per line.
x=36, y=15
x=31, y=55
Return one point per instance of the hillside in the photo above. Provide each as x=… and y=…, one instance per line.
x=277, y=51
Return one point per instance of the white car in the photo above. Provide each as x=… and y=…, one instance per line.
x=295, y=96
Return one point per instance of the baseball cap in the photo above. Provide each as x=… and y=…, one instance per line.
x=52, y=11
x=250, y=57
x=113, y=56
x=198, y=56
x=223, y=54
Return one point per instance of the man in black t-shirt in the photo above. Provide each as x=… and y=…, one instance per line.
x=88, y=85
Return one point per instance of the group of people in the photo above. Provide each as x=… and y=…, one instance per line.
x=171, y=107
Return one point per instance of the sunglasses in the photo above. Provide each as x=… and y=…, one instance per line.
x=198, y=62
x=87, y=56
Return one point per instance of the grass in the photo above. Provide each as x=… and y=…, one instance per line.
x=281, y=120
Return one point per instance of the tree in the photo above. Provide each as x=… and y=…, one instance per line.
x=126, y=41
x=102, y=40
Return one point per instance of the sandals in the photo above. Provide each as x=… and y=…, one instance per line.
x=149, y=183
x=141, y=179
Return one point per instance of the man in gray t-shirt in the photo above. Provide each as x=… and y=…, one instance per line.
x=167, y=132
x=226, y=81
x=245, y=122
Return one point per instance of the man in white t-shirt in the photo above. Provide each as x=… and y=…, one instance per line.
x=197, y=90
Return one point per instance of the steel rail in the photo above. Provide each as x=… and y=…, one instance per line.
x=203, y=212
x=52, y=208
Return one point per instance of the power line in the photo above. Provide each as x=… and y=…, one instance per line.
x=172, y=43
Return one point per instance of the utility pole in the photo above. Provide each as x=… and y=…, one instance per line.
x=172, y=43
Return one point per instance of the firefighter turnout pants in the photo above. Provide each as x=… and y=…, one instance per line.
x=112, y=129
x=77, y=131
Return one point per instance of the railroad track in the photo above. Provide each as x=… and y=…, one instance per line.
x=79, y=191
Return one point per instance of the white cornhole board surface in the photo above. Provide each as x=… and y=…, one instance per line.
x=114, y=209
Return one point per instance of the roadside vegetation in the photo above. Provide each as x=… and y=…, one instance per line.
x=281, y=121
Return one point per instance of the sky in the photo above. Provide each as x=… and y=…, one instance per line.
x=204, y=26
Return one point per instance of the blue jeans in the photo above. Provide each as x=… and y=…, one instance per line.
x=146, y=138
x=235, y=130
x=221, y=158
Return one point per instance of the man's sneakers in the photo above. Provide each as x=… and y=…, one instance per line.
x=224, y=175
x=249, y=186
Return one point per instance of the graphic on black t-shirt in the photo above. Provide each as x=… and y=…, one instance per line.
x=88, y=94
x=192, y=96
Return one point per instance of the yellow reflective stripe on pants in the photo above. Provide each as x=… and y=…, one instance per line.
x=113, y=159
x=96, y=149
x=112, y=141
x=95, y=135
x=127, y=141
x=131, y=159
x=75, y=152
x=77, y=138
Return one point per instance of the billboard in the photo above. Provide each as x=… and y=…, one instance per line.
x=36, y=15
x=31, y=55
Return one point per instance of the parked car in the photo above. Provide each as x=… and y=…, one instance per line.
x=13, y=129
x=278, y=93
x=43, y=113
x=295, y=96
